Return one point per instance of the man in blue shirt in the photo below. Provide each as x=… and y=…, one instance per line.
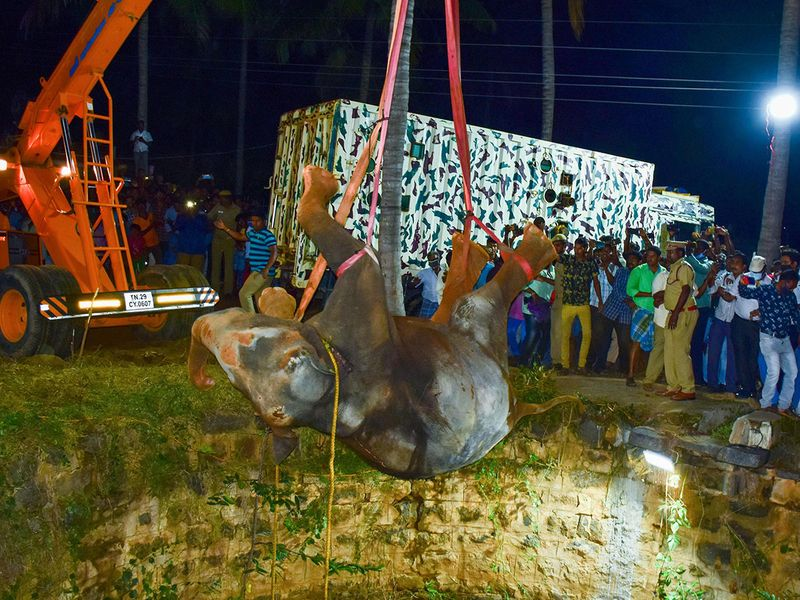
x=779, y=315
x=263, y=252
x=701, y=263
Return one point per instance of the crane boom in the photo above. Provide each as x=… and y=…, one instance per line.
x=95, y=45
x=77, y=213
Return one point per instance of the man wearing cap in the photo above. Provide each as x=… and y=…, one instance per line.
x=679, y=301
x=432, y=282
x=263, y=252
x=745, y=330
x=640, y=290
x=560, y=244
x=223, y=245
x=779, y=314
x=702, y=264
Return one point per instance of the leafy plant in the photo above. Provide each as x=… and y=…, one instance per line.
x=671, y=582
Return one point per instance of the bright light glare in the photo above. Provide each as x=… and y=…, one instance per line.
x=175, y=298
x=659, y=461
x=102, y=303
x=3, y=164
x=65, y=171
x=782, y=106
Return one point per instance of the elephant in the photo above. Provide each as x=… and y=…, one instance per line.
x=418, y=397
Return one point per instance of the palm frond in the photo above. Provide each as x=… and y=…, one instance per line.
x=576, y=17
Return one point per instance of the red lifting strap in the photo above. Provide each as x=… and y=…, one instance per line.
x=452, y=23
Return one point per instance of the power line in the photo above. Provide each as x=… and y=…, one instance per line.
x=193, y=60
x=557, y=47
x=492, y=96
x=497, y=81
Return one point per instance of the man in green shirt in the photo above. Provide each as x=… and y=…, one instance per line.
x=640, y=291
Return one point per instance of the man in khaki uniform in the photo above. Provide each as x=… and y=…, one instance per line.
x=679, y=301
x=222, y=245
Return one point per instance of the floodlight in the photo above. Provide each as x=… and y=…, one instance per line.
x=65, y=171
x=3, y=164
x=659, y=461
x=782, y=106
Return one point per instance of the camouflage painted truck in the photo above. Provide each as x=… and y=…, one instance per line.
x=515, y=178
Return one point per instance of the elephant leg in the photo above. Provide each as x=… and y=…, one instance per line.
x=483, y=314
x=461, y=276
x=333, y=240
x=358, y=302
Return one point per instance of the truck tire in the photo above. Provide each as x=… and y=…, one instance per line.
x=169, y=325
x=23, y=331
x=62, y=336
x=196, y=279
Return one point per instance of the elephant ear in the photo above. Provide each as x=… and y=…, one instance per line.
x=284, y=442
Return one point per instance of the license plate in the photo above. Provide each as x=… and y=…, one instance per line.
x=138, y=301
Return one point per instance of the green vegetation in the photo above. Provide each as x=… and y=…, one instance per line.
x=672, y=584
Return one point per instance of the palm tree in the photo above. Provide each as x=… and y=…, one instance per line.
x=775, y=193
x=144, y=58
x=392, y=183
x=548, y=59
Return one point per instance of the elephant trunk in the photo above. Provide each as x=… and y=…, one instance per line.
x=198, y=356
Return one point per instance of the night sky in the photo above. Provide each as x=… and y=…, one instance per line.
x=715, y=146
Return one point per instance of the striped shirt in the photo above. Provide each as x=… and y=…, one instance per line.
x=614, y=307
x=261, y=243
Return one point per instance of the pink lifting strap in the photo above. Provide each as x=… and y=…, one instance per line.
x=361, y=167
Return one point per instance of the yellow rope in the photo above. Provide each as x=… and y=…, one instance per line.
x=274, y=573
x=331, y=463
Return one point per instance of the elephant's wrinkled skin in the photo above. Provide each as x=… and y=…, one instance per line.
x=418, y=397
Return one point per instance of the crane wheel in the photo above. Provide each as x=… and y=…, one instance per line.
x=61, y=335
x=23, y=331
x=169, y=325
x=196, y=279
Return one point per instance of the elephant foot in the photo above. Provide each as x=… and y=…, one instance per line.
x=319, y=187
x=536, y=248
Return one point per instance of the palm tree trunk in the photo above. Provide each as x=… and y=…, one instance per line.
x=392, y=184
x=548, y=71
x=143, y=64
x=366, y=59
x=775, y=194
x=242, y=106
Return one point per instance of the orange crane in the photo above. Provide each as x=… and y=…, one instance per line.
x=74, y=204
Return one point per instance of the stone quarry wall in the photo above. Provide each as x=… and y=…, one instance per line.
x=558, y=511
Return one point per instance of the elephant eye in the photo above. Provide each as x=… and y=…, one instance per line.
x=293, y=361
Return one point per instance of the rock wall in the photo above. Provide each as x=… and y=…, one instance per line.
x=556, y=511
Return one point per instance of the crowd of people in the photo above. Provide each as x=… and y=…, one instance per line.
x=700, y=314
x=223, y=237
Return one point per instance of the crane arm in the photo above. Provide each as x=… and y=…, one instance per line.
x=95, y=45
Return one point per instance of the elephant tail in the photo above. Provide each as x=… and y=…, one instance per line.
x=523, y=409
x=198, y=356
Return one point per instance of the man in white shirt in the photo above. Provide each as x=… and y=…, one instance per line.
x=745, y=332
x=141, y=140
x=432, y=281
x=723, y=288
